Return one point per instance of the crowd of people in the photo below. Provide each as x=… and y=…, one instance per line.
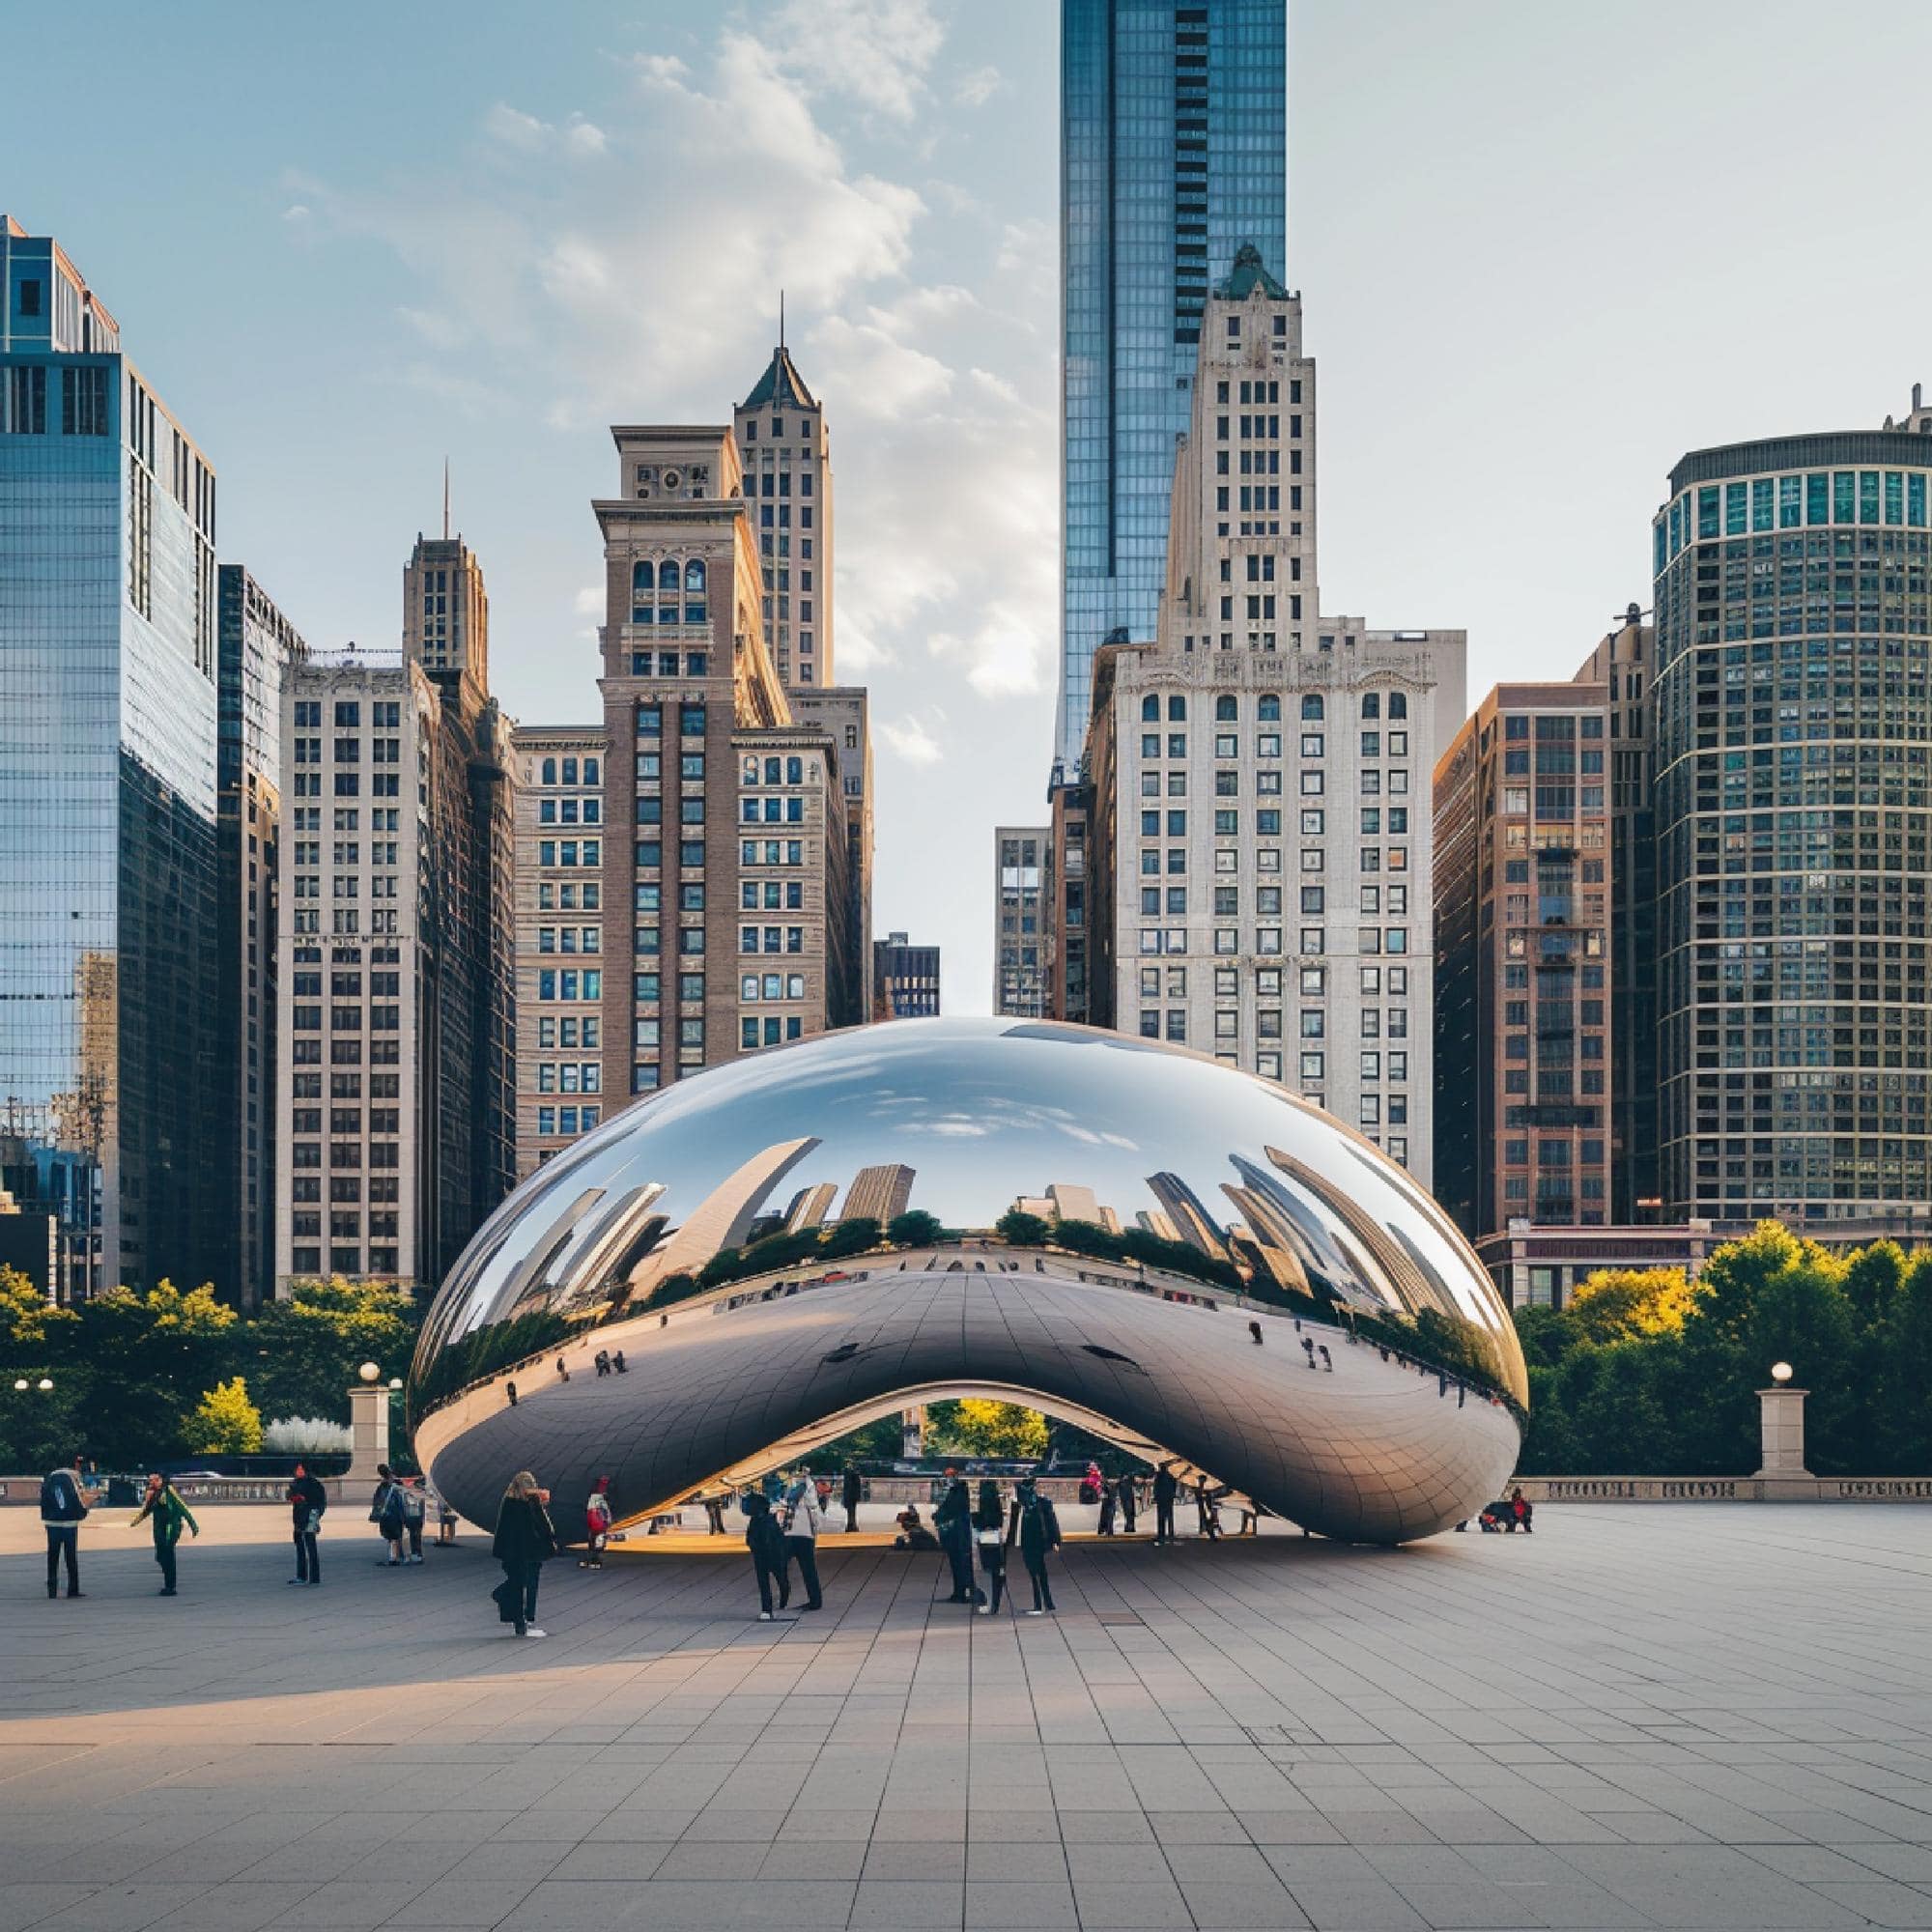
x=785, y=1516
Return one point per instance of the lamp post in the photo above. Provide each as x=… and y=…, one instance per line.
x=368, y=1425
x=1781, y=1428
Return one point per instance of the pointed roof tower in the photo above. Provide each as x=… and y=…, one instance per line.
x=1248, y=273
x=781, y=384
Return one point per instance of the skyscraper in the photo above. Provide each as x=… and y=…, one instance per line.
x=1259, y=864
x=560, y=929
x=1794, y=825
x=256, y=646
x=1021, y=897
x=787, y=464
x=1524, y=1038
x=905, y=978
x=108, y=1050
x=1174, y=152
x=728, y=824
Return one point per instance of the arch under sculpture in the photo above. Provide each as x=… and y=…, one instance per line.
x=798, y=1240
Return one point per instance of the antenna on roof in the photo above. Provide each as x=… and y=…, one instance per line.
x=445, y=500
x=782, y=318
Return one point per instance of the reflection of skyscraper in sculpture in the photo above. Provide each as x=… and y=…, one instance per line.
x=1158, y=1225
x=878, y=1193
x=722, y=1218
x=810, y=1207
x=1402, y=1278
x=1188, y=1214
x=1271, y=1234
x=1073, y=1203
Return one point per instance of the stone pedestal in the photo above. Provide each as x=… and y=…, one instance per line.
x=913, y=1429
x=1782, y=1425
x=368, y=1431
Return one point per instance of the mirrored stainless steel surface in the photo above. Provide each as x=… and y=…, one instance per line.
x=730, y=1234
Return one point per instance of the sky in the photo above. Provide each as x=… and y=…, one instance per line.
x=1542, y=252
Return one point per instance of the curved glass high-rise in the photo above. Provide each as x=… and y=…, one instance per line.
x=1174, y=152
x=1794, y=823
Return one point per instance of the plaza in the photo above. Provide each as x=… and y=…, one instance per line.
x=1643, y=1716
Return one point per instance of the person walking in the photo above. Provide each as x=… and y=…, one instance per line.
x=596, y=1524
x=802, y=1520
x=1129, y=1501
x=415, y=1506
x=1165, y=1490
x=62, y=1511
x=1036, y=1528
x=989, y=1531
x=766, y=1542
x=954, y=1520
x=307, y=1499
x=714, y=1515
x=850, y=1491
x=385, y=1512
x=161, y=1505
x=1208, y=1523
x=525, y=1540
x=1110, y=1503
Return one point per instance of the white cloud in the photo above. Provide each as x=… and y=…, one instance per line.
x=439, y=330
x=879, y=52
x=908, y=739
x=525, y=134
x=977, y=88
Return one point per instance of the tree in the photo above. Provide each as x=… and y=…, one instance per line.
x=144, y=1356
x=855, y=1236
x=225, y=1423
x=30, y=1326
x=976, y=1427
x=1613, y=1304
x=913, y=1229
x=303, y=1354
x=1021, y=1230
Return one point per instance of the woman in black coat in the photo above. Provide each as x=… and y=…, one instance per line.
x=525, y=1540
x=989, y=1533
x=1036, y=1528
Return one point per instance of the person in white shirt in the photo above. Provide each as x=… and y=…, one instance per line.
x=801, y=1519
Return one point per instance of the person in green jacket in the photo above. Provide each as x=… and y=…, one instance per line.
x=162, y=1507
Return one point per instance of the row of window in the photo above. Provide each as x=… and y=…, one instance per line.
x=570, y=1076
x=565, y=852
x=1894, y=497
x=554, y=771
x=1370, y=940
x=566, y=1120
x=585, y=1031
x=1373, y=704
x=570, y=983
x=773, y=1030
x=385, y=714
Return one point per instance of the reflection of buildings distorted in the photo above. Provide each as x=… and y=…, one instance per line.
x=1208, y=1191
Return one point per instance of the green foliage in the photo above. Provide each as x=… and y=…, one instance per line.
x=224, y=1423
x=1647, y=1374
x=143, y=1358
x=977, y=1427
x=1023, y=1231
x=856, y=1236
x=913, y=1229
x=28, y=1325
x=307, y=1348
x=880, y=1440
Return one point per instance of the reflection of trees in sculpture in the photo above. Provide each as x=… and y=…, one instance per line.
x=483, y=1352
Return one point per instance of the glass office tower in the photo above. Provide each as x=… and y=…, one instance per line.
x=107, y=792
x=1172, y=153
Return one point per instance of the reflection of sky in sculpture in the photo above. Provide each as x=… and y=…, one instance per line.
x=985, y=1112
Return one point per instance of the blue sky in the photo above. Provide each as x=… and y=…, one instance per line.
x=1541, y=251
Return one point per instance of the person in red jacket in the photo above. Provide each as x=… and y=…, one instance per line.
x=596, y=1524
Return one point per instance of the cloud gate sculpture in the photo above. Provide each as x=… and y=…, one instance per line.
x=1178, y=1256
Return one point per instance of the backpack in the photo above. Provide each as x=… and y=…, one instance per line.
x=413, y=1502
x=59, y=1495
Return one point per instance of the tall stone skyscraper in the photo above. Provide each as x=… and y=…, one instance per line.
x=257, y=650
x=1174, y=152
x=1794, y=825
x=108, y=930
x=726, y=832
x=1256, y=804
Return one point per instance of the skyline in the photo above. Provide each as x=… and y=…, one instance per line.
x=1499, y=419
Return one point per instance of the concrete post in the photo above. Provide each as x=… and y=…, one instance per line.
x=368, y=1431
x=1782, y=1426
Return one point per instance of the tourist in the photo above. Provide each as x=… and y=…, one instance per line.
x=445, y=1520
x=525, y=1540
x=766, y=1542
x=913, y=1533
x=596, y=1524
x=385, y=1512
x=989, y=1530
x=62, y=1511
x=1110, y=1503
x=1254, y=1333
x=824, y=1487
x=1090, y=1485
x=601, y=1361
x=1209, y=1517
x=163, y=1507
x=307, y=1499
x=1165, y=1490
x=714, y=1515
x=618, y=1361
x=850, y=1491
x=510, y=1391
x=1036, y=1528
x=564, y=1373
x=1130, y=1501
x=802, y=1520
x=414, y=1508
x=1521, y=1509
x=954, y=1520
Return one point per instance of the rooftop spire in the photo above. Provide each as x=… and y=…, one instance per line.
x=445, y=500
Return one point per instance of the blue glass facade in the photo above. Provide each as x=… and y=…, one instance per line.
x=1174, y=152
x=107, y=792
